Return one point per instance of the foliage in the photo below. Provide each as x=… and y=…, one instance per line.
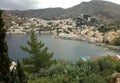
x=106, y=28
x=62, y=72
x=4, y=59
x=117, y=41
x=94, y=78
x=117, y=64
x=40, y=58
x=59, y=78
x=6, y=76
x=113, y=26
x=91, y=71
x=86, y=20
x=18, y=75
x=107, y=67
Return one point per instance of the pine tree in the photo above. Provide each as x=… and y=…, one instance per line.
x=4, y=59
x=40, y=57
x=18, y=74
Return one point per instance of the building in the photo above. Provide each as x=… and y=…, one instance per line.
x=113, y=57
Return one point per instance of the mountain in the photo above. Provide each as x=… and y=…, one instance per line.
x=48, y=13
x=95, y=7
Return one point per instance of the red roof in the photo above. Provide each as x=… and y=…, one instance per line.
x=95, y=57
x=114, y=57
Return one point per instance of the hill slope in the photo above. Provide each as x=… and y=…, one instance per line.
x=49, y=13
x=95, y=7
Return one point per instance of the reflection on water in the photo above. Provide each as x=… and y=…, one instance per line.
x=63, y=49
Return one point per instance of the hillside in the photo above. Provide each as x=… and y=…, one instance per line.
x=49, y=13
x=95, y=7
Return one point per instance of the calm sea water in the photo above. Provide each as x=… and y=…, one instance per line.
x=63, y=49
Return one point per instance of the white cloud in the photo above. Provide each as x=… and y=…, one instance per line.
x=60, y=3
x=19, y=4
x=36, y=4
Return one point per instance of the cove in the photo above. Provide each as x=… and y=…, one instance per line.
x=62, y=48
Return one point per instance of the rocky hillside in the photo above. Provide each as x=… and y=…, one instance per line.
x=95, y=7
x=49, y=13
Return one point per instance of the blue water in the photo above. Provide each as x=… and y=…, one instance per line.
x=63, y=49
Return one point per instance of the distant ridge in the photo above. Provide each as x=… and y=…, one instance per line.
x=48, y=13
x=98, y=8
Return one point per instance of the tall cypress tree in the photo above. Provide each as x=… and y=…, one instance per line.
x=4, y=59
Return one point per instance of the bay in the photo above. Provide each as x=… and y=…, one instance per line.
x=63, y=49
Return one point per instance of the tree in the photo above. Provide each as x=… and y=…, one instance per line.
x=18, y=74
x=4, y=59
x=117, y=41
x=40, y=57
x=107, y=68
x=94, y=78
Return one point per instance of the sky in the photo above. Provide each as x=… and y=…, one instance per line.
x=39, y=4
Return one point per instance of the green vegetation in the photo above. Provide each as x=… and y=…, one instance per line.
x=40, y=58
x=40, y=68
x=6, y=76
x=106, y=28
x=4, y=59
x=86, y=20
x=91, y=71
x=117, y=41
x=18, y=75
x=94, y=78
x=110, y=27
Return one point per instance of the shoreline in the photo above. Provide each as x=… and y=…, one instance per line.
x=14, y=33
x=107, y=46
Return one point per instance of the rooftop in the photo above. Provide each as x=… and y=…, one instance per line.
x=114, y=57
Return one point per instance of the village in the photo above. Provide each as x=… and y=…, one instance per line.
x=83, y=28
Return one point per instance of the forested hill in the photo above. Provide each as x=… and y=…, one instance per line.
x=95, y=7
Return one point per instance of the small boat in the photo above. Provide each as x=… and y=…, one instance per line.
x=105, y=49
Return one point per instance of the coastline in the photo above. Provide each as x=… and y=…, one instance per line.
x=106, y=46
